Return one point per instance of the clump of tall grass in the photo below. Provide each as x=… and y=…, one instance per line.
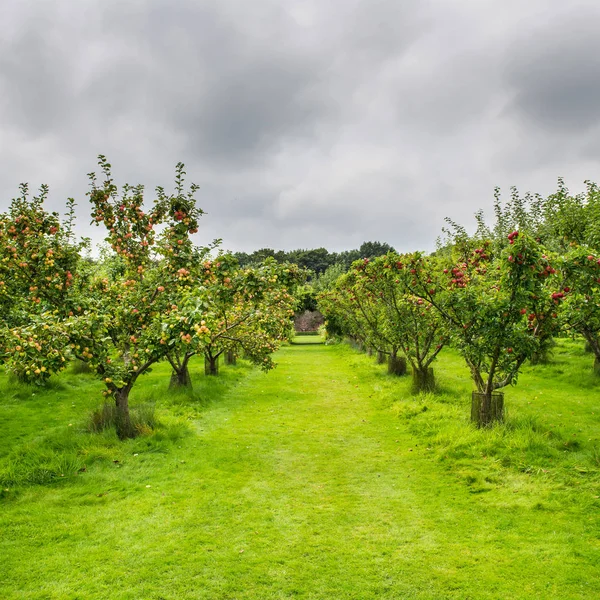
x=143, y=418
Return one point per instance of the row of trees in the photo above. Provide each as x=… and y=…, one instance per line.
x=499, y=296
x=153, y=296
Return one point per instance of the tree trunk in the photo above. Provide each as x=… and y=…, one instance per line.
x=354, y=343
x=181, y=378
x=593, y=341
x=541, y=357
x=487, y=408
x=396, y=364
x=380, y=357
x=423, y=380
x=230, y=358
x=123, y=423
x=369, y=351
x=596, y=350
x=211, y=365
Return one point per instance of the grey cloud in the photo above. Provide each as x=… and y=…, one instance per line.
x=35, y=89
x=444, y=98
x=251, y=110
x=237, y=96
x=555, y=75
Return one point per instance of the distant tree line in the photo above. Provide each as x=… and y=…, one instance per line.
x=317, y=260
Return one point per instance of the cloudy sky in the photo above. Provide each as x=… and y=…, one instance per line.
x=306, y=123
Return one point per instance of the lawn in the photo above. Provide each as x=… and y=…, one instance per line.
x=323, y=479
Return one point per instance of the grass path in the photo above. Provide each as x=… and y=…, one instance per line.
x=297, y=484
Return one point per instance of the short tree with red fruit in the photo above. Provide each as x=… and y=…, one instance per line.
x=355, y=310
x=497, y=310
x=407, y=320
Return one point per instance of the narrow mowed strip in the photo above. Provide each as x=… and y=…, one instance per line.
x=299, y=483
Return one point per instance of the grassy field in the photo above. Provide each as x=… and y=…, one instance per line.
x=324, y=479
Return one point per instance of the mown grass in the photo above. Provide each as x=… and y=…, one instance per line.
x=313, y=338
x=323, y=479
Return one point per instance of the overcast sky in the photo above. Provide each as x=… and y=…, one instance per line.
x=306, y=123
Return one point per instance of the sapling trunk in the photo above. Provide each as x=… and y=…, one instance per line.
x=487, y=408
x=211, y=365
x=542, y=357
x=230, y=358
x=123, y=423
x=380, y=357
x=396, y=364
x=181, y=378
x=596, y=351
x=423, y=380
x=543, y=354
x=593, y=341
x=354, y=342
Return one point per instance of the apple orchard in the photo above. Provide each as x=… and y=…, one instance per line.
x=498, y=296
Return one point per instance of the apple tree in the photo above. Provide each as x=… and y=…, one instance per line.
x=410, y=320
x=40, y=268
x=354, y=303
x=231, y=309
x=496, y=308
x=119, y=328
